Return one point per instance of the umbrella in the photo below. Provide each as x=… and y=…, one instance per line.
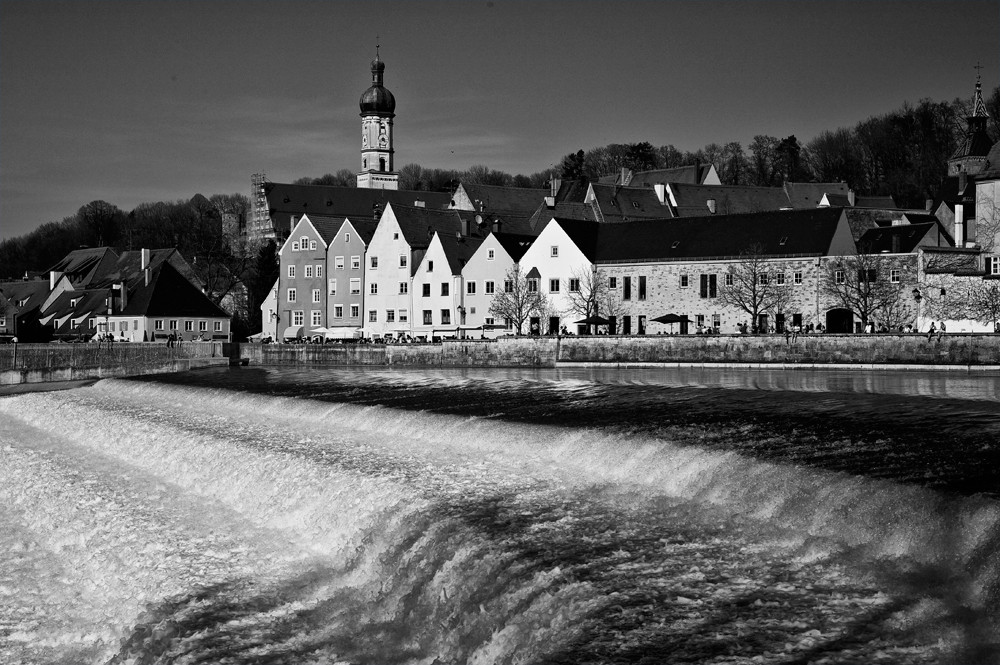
x=594, y=321
x=672, y=319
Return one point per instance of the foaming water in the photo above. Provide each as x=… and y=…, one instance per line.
x=377, y=516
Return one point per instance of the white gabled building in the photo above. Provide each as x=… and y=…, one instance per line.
x=345, y=276
x=439, y=288
x=556, y=261
x=484, y=275
x=397, y=247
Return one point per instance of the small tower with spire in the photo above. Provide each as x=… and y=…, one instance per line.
x=378, y=108
x=970, y=158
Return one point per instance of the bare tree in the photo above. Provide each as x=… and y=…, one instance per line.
x=589, y=295
x=753, y=285
x=984, y=302
x=872, y=286
x=518, y=300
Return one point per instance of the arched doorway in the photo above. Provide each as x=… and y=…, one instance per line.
x=840, y=321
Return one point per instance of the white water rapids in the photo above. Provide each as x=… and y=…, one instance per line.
x=149, y=523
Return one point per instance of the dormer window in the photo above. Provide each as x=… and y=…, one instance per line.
x=635, y=204
x=675, y=244
x=783, y=240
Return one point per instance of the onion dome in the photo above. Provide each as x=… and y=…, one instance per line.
x=377, y=100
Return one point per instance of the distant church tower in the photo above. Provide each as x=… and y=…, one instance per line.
x=970, y=158
x=377, y=111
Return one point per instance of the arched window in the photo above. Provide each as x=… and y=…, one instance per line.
x=381, y=163
x=364, y=163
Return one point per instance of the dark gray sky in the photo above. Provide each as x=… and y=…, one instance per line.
x=148, y=100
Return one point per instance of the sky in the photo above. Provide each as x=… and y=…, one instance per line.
x=134, y=101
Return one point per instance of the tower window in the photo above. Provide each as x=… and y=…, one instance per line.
x=381, y=164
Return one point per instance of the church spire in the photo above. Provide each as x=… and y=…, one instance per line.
x=978, y=106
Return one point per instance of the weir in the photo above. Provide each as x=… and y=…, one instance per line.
x=408, y=515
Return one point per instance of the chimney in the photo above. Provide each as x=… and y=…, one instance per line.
x=850, y=197
x=291, y=224
x=959, y=225
x=963, y=181
x=928, y=204
x=550, y=202
x=624, y=178
x=124, y=289
x=145, y=258
x=419, y=204
x=661, y=192
x=554, y=186
x=146, y=275
x=711, y=206
x=54, y=276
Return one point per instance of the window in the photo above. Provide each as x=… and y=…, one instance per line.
x=304, y=243
x=491, y=254
x=797, y=277
x=373, y=262
x=490, y=321
x=111, y=326
x=339, y=263
x=316, y=317
x=295, y=245
x=488, y=287
x=347, y=237
x=333, y=287
x=390, y=316
x=699, y=320
x=298, y=317
x=533, y=285
x=425, y=290
x=404, y=316
x=612, y=282
x=508, y=286
x=427, y=318
x=355, y=263
x=217, y=326
x=470, y=288
x=642, y=287
x=157, y=324
x=309, y=272
x=355, y=311
x=626, y=288
x=135, y=324
x=553, y=286
x=124, y=326
x=319, y=271
x=762, y=278
x=355, y=286
x=404, y=288
x=729, y=279
x=684, y=281
x=430, y=266
x=554, y=251
x=839, y=277
x=372, y=316
x=708, y=286
x=574, y=285
x=993, y=265
x=402, y=260
x=716, y=321
x=312, y=244
x=444, y=288
x=291, y=272
x=317, y=294
x=291, y=295
x=395, y=236
x=894, y=276
x=188, y=326
x=779, y=278
x=338, y=311
x=445, y=317
x=373, y=288
x=173, y=324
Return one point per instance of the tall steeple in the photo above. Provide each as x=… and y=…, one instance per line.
x=970, y=158
x=378, y=108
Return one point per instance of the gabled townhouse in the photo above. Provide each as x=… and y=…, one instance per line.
x=485, y=274
x=302, y=285
x=270, y=326
x=347, y=259
x=396, y=249
x=24, y=299
x=439, y=289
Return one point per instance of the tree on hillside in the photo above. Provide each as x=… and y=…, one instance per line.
x=753, y=285
x=573, y=166
x=519, y=300
x=764, y=170
x=103, y=221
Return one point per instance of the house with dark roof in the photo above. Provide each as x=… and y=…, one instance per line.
x=438, y=288
x=346, y=259
x=21, y=302
x=485, y=273
x=302, y=261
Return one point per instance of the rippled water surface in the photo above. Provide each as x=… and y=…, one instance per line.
x=371, y=515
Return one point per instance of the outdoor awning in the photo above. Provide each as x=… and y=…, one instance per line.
x=343, y=333
x=292, y=332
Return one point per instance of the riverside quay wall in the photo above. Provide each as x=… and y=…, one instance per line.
x=959, y=350
x=42, y=363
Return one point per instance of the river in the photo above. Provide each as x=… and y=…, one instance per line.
x=377, y=515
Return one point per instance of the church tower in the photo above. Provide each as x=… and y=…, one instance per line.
x=377, y=111
x=970, y=158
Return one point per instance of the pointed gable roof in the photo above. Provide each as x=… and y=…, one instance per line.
x=514, y=244
x=86, y=265
x=419, y=224
x=904, y=238
x=500, y=199
x=809, y=194
x=458, y=249
x=365, y=228
x=168, y=293
x=616, y=204
x=691, y=174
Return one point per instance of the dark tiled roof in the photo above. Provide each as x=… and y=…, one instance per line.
x=692, y=200
x=992, y=168
x=285, y=200
x=626, y=204
x=326, y=227
x=692, y=174
x=129, y=266
x=514, y=244
x=168, y=293
x=874, y=202
x=565, y=210
x=365, y=228
x=778, y=233
x=809, y=194
x=84, y=266
x=899, y=239
x=500, y=199
x=419, y=224
x=36, y=291
x=459, y=249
